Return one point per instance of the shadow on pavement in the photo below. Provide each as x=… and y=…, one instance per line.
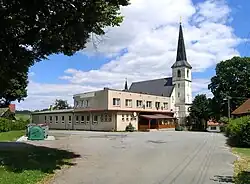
x=225, y=179
x=17, y=157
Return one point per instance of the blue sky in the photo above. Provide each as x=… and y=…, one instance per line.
x=91, y=69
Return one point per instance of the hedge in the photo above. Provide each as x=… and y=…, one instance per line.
x=238, y=131
x=8, y=125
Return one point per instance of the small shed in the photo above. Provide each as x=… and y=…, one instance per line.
x=213, y=126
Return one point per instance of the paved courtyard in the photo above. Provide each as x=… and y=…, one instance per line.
x=165, y=157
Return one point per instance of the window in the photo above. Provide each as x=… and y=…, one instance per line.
x=213, y=128
x=56, y=119
x=127, y=117
x=62, y=119
x=95, y=118
x=187, y=73
x=82, y=119
x=165, y=105
x=128, y=103
x=69, y=119
x=149, y=104
x=85, y=103
x=116, y=101
x=106, y=118
x=138, y=103
x=76, y=103
x=50, y=119
x=178, y=73
x=157, y=104
x=123, y=117
x=77, y=119
x=87, y=118
x=45, y=118
x=179, y=94
x=179, y=85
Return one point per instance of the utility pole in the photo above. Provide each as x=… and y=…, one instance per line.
x=228, y=107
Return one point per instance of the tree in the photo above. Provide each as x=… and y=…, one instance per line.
x=32, y=30
x=199, y=111
x=232, y=79
x=61, y=104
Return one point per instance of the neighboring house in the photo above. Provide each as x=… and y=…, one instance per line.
x=242, y=110
x=213, y=126
x=8, y=112
x=156, y=103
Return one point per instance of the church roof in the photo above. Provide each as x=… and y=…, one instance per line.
x=181, y=58
x=159, y=87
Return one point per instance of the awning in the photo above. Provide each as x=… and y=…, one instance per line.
x=157, y=116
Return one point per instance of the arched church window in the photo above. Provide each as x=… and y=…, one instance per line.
x=187, y=73
x=178, y=73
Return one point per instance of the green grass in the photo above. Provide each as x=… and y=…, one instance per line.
x=245, y=152
x=242, y=166
x=23, y=116
x=22, y=163
x=11, y=135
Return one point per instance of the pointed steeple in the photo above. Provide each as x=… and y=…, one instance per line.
x=126, y=85
x=181, y=57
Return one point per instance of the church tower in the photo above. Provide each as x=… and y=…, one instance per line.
x=182, y=79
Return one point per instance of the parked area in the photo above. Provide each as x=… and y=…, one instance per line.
x=145, y=157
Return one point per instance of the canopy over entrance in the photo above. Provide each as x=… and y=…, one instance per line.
x=156, y=121
x=157, y=116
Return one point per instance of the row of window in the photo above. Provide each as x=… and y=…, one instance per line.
x=104, y=118
x=83, y=103
x=139, y=103
x=128, y=117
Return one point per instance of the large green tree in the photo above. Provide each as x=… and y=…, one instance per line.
x=32, y=30
x=61, y=104
x=199, y=111
x=232, y=80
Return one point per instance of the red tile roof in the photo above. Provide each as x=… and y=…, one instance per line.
x=157, y=116
x=212, y=123
x=243, y=109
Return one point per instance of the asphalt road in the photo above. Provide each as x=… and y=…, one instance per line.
x=147, y=158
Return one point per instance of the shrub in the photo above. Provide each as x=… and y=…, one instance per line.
x=8, y=125
x=238, y=131
x=179, y=128
x=130, y=128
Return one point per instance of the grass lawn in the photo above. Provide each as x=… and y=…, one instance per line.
x=11, y=136
x=22, y=163
x=242, y=166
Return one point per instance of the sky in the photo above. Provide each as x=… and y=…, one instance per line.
x=144, y=47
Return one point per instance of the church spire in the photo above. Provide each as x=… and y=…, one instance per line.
x=181, y=57
x=181, y=51
x=126, y=85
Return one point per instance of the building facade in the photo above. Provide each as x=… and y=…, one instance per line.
x=157, y=103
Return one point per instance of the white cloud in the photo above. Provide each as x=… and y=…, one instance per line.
x=149, y=36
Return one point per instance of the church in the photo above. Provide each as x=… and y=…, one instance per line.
x=152, y=104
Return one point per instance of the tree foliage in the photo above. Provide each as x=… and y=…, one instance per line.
x=232, y=79
x=199, y=111
x=60, y=104
x=32, y=30
x=238, y=131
